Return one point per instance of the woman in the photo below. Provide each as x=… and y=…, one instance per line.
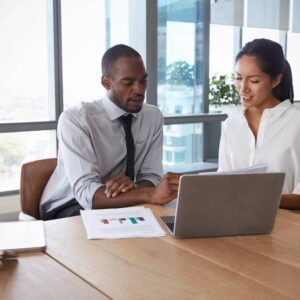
x=267, y=131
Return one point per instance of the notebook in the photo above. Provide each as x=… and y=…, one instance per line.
x=217, y=204
x=22, y=236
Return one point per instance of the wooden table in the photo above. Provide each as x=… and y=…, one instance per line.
x=248, y=267
x=36, y=276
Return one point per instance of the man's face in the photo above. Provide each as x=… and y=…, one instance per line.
x=126, y=83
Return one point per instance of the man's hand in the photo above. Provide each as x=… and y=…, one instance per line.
x=117, y=185
x=166, y=190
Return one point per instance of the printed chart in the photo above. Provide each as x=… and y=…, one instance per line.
x=126, y=222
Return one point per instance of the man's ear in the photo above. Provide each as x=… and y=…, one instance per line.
x=277, y=80
x=105, y=81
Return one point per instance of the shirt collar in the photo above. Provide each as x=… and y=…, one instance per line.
x=114, y=112
x=279, y=109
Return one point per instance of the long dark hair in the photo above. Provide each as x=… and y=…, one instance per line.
x=270, y=56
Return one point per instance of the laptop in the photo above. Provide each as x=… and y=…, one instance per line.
x=216, y=204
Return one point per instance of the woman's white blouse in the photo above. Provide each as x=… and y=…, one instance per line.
x=277, y=144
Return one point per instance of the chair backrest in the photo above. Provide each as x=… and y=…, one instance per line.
x=34, y=177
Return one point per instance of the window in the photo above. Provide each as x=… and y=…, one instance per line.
x=293, y=43
x=250, y=34
x=221, y=61
x=23, y=61
x=83, y=42
x=183, y=144
x=51, y=59
x=19, y=147
x=182, y=73
x=180, y=56
x=26, y=97
x=88, y=29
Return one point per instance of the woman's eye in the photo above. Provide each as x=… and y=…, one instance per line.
x=254, y=81
x=238, y=78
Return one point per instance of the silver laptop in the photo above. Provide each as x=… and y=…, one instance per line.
x=225, y=204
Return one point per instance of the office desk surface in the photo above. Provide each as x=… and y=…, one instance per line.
x=36, y=276
x=251, y=267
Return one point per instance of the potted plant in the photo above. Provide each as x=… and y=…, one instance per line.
x=223, y=93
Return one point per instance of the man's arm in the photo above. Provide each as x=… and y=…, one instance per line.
x=144, y=193
x=290, y=201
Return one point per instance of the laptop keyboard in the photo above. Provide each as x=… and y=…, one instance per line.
x=170, y=225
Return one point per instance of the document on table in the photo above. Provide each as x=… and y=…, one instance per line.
x=129, y=222
x=22, y=236
x=262, y=168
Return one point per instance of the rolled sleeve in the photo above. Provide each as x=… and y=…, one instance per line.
x=224, y=152
x=79, y=159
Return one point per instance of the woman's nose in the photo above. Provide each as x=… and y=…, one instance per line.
x=243, y=86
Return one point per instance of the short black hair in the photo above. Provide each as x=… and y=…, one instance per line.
x=113, y=54
x=270, y=57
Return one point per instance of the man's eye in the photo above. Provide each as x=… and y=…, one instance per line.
x=127, y=82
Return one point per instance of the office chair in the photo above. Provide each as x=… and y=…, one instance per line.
x=34, y=177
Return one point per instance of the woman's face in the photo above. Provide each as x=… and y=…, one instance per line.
x=254, y=86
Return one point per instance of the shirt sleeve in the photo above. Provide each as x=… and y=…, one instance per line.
x=151, y=168
x=224, y=163
x=79, y=159
x=296, y=158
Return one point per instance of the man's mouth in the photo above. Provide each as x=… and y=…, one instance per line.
x=137, y=99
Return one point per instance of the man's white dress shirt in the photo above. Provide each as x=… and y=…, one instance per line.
x=92, y=150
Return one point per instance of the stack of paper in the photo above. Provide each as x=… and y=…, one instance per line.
x=262, y=168
x=22, y=236
x=127, y=222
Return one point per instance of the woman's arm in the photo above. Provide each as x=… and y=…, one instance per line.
x=290, y=201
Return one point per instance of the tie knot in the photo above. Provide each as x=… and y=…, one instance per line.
x=126, y=120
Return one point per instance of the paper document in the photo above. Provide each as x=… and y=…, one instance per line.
x=129, y=222
x=253, y=169
x=22, y=236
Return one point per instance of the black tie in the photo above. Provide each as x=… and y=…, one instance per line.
x=126, y=122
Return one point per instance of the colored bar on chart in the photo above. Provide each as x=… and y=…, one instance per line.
x=133, y=220
x=141, y=219
x=104, y=221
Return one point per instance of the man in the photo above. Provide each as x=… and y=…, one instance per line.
x=104, y=159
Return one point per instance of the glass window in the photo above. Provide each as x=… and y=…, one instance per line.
x=23, y=61
x=83, y=43
x=250, y=34
x=294, y=60
x=180, y=56
x=221, y=55
x=183, y=145
x=180, y=156
x=88, y=29
x=20, y=147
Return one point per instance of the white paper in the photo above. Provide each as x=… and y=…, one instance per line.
x=129, y=222
x=253, y=169
x=22, y=236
